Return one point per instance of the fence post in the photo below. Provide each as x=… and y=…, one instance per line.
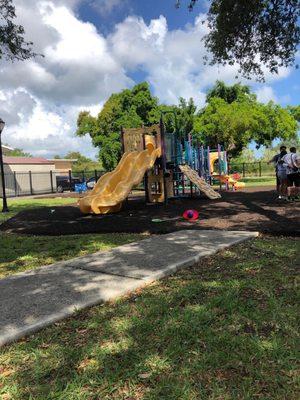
x=96, y=176
x=244, y=174
x=15, y=183
x=30, y=183
x=70, y=180
x=259, y=168
x=51, y=181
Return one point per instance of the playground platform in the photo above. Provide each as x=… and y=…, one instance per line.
x=34, y=299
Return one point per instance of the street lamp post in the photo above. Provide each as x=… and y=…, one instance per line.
x=5, y=208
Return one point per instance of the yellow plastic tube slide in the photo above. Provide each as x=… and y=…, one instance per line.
x=114, y=187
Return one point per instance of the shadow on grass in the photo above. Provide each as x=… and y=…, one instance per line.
x=17, y=205
x=20, y=253
x=224, y=329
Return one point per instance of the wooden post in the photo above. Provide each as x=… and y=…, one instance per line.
x=259, y=165
x=30, y=183
x=244, y=170
x=96, y=175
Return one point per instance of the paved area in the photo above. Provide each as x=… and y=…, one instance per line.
x=34, y=299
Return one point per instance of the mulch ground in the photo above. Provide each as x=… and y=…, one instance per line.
x=255, y=209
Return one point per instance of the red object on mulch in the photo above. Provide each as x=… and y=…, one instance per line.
x=191, y=215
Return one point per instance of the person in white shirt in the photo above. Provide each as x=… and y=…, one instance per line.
x=292, y=162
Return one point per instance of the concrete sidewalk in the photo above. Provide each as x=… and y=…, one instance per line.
x=34, y=299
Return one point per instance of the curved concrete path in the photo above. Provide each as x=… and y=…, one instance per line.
x=32, y=300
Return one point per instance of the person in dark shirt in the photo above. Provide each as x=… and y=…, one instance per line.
x=282, y=176
x=275, y=160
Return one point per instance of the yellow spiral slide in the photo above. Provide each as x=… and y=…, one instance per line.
x=114, y=187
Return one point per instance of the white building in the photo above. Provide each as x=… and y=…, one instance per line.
x=28, y=175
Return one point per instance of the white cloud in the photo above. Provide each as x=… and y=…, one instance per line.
x=78, y=72
x=16, y=106
x=40, y=98
x=172, y=60
x=266, y=94
x=47, y=132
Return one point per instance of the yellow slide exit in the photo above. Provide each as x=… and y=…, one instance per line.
x=114, y=187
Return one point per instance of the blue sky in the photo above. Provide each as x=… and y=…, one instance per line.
x=148, y=10
x=287, y=91
x=94, y=48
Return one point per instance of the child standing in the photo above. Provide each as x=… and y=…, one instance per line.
x=281, y=169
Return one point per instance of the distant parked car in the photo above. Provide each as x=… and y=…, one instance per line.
x=63, y=183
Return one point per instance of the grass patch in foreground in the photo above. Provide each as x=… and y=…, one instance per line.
x=259, y=181
x=20, y=252
x=223, y=329
x=17, y=205
x=254, y=181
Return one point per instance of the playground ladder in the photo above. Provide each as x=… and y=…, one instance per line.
x=201, y=184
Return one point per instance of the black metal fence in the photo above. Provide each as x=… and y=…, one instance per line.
x=34, y=183
x=85, y=176
x=29, y=183
x=257, y=168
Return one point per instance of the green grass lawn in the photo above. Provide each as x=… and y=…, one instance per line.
x=20, y=252
x=253, y=181
x=259, y=181
x=224, y=329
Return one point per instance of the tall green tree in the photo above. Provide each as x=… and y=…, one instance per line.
x=252, y=33
x=82, y=162
x=19, y=153
x=295, y=111
x=235, y=120
x=183, y=114
x=131, y=108
x=13, y=45
x=230, y=93
x=232, y=117
x=246, y=156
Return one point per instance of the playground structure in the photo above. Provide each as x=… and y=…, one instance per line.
x=169, y=167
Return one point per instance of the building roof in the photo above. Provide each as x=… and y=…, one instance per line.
x=26, y=160
x=62, y=159
x=7, y=147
